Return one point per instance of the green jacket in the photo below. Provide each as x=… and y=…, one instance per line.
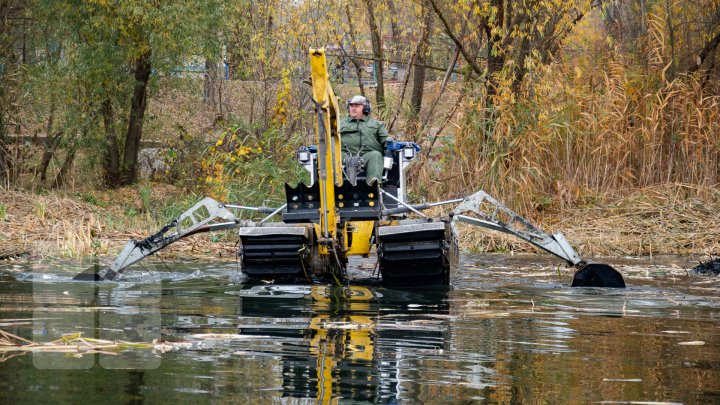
x=365, y=131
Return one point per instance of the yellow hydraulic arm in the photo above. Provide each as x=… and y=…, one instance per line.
x=328, y=141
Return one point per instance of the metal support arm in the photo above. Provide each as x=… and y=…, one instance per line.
x=202, y=217
x=405, y=208
x=516, y=225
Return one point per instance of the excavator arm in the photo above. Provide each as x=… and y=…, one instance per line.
x=481, y=209
x=207, y=215
x=328, y=141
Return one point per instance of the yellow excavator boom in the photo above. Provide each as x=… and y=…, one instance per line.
x=328, y=141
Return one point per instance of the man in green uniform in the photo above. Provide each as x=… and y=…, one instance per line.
x=362, y=135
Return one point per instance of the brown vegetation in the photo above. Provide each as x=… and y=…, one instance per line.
x=667, y=219
x=67, y=225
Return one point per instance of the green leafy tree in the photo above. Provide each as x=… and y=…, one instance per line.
x=13, y=15
x=117, y=49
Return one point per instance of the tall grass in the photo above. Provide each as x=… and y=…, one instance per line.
x=569, y=141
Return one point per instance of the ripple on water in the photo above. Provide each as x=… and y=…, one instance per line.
x=510, y=330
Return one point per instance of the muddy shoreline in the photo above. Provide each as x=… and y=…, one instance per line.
x=651, y=222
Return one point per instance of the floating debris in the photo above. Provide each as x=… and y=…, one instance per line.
x=710, y=268
x=692, y=343
x=69, y=343
x=640, y=402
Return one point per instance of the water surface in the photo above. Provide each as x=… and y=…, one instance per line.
x=510, y=330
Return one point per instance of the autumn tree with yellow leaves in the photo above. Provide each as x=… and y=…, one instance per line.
x=545, y=101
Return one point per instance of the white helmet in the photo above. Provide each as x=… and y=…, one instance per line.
x=360, y=100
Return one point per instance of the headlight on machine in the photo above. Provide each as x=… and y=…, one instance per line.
x=388, y=162
x=303, y=156
x=409, y=152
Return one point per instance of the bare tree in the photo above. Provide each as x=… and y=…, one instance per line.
x=353, y=48
x=143, y=69
x=210, y=84
x=508, y=33
x=377, y=49
x=419, y=70
x=706, y=53
x=111, y=164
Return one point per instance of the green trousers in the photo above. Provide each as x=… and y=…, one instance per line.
x=373, y=165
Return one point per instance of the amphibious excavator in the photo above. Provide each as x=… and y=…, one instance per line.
x=338, y=215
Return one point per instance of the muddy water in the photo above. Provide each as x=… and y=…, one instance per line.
x=509, y=331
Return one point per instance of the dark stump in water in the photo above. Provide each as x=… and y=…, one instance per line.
x=598, y=275
x=711, y=267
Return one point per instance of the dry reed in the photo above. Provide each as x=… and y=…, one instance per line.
x=70, y=227
x=68, y=343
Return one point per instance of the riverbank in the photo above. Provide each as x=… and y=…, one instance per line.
x=668, y=219
x=81, y=224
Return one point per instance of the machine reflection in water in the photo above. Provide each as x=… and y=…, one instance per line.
x=496, y=337
x=352, y=339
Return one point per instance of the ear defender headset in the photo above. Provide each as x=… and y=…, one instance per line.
x=367, y=108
